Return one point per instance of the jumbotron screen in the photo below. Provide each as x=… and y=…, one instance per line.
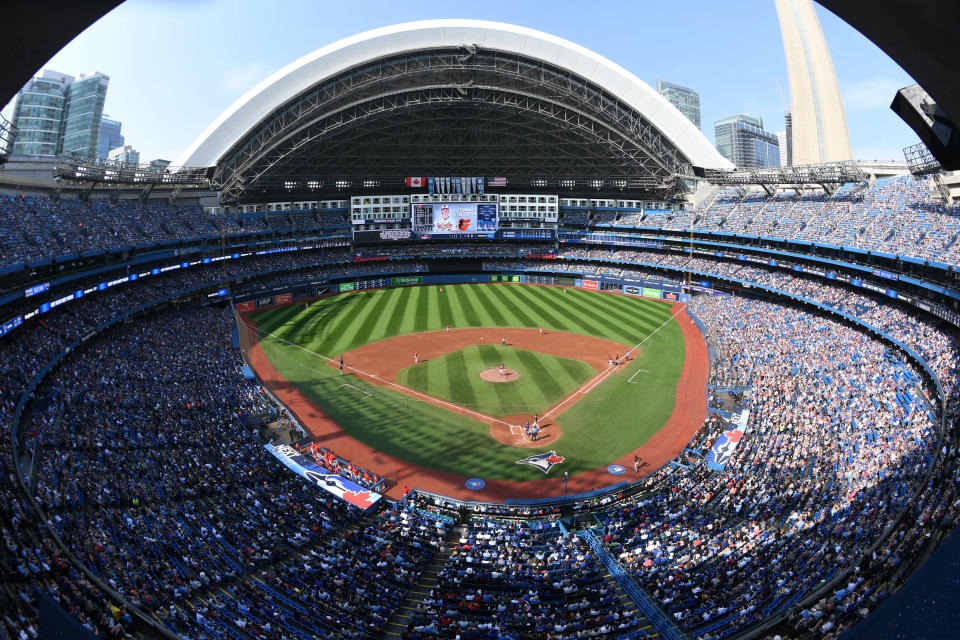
x=464, y=219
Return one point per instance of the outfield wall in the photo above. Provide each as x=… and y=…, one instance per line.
x=280, y=296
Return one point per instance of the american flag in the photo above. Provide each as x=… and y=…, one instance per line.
x=499, y=181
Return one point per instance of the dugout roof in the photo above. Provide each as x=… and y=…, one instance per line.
x=450, y=98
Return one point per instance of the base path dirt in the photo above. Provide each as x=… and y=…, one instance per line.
x=689, y=412
x=512, y=435
x=385, y=358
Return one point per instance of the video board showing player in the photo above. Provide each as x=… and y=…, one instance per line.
x=455, y=218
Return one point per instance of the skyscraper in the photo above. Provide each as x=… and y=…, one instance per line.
x=819, y=123
x=56, y=113
x=81, y=121
x=110, y=137
x=742, y=140
x=686, y=100
x=38, y=114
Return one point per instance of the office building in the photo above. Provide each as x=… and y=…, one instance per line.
x=83, y=114
x=742, y=140
x=819, y=132
x=686, y=100
x=110, y=137
x=124, y=155
x=56, y=113
x=38, y=115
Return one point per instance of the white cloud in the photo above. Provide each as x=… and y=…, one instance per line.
x=870, y=93
x=239, y=80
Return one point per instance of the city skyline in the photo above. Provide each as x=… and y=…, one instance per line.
x=166, y=101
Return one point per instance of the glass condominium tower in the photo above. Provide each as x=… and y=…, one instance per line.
x=56, y=113
x=38, y=115
x=685, y=99
x=743, y=141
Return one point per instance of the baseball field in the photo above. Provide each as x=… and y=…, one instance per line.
x=415, y=391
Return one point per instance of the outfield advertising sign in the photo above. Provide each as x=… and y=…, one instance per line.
x=346, y=286
x=591, y=284
x=402, y=280
x=284, y=298
x=264, y=301
x=630, y=290
x=651, y=293
x=311, y=471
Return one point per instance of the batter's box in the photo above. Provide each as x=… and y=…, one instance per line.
x=516, y=430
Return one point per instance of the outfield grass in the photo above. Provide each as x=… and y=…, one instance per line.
x=612, y=420
x=542, y=382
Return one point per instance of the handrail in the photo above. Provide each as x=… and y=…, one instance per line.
x=666, y=627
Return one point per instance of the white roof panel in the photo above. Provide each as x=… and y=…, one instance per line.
x=244, y=114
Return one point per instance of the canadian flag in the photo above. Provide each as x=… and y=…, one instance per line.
x=416, y=182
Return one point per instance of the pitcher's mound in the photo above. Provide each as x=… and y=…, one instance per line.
x=493, y=375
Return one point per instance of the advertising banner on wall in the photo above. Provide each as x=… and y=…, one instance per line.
x=651, y=293
x=309, y=469
x=591, y=284
x=246, y=306
x=264, y=301
x=284, y=298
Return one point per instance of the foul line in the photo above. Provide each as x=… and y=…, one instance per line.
x=586, y=388
x=407, y=390
x=593, y=382
x=356, y=389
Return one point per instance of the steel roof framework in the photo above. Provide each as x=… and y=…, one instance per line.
x=453, y=111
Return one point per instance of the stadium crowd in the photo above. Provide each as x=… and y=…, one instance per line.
x=513, y=580
x=895, y=215
x=148, y=474
x=840, y=440
x=37, y=227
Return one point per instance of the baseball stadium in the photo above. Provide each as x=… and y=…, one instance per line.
x=458, y=329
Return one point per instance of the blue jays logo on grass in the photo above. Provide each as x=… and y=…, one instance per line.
x=543, y=461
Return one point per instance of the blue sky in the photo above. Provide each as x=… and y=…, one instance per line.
x=175, y=65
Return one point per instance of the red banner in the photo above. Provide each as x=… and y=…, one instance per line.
x=284, y=298
x=245, y=306
x=591, y=284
